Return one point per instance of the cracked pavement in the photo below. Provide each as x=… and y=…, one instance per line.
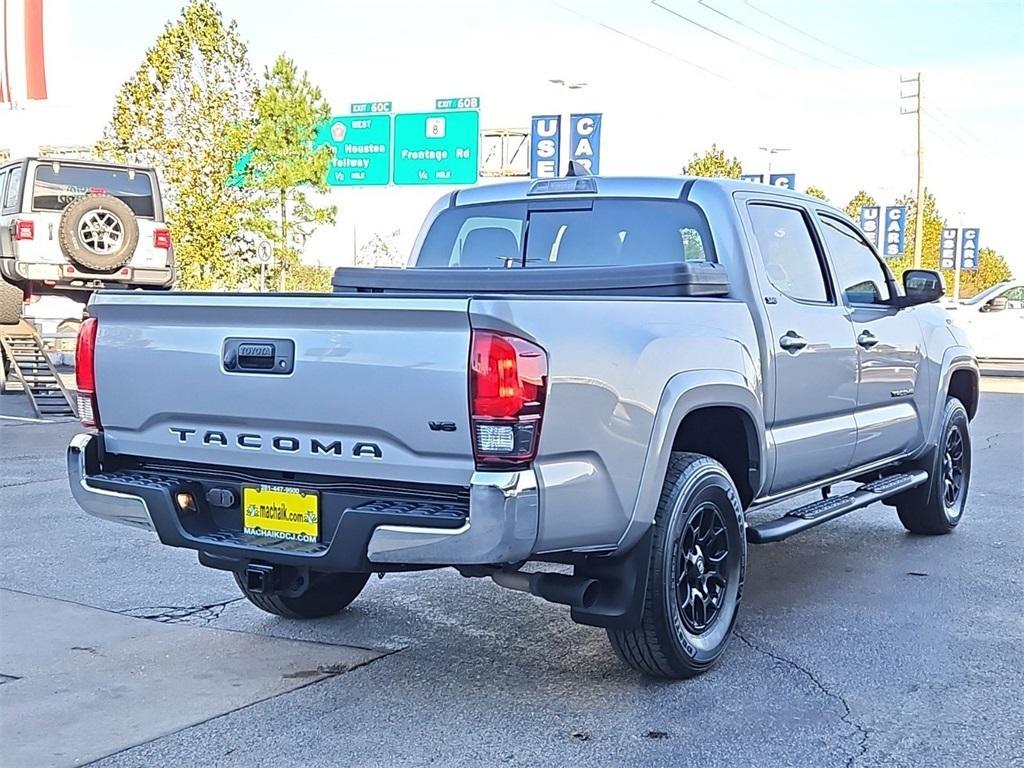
x=857, y=645
x=190, y=614
x=847, y=716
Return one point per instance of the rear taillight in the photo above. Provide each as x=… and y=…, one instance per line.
x=24, y=230
x=508, y=379
x=85, y=373
x=162, y=238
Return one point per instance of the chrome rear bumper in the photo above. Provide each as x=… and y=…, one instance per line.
x=501, y=526
x=106, y=505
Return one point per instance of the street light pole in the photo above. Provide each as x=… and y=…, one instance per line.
x=772, y=151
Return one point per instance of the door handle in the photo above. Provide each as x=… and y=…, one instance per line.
x=793, y=342
x=867, y=339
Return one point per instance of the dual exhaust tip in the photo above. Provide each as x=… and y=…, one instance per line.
x=574, y=591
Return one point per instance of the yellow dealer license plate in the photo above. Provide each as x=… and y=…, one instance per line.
x=281, y=512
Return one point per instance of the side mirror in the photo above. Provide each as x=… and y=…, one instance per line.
x=921, y=286
x=998, y=304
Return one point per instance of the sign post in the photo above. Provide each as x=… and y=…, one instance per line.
x=264, y=255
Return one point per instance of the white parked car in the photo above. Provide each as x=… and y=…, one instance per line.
x=994, y=321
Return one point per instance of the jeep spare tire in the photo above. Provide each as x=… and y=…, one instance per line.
x=98, y=232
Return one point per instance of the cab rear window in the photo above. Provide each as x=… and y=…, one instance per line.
x=55, y=188
x=601, y=232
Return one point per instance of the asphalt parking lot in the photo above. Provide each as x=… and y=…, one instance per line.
x=857, y=645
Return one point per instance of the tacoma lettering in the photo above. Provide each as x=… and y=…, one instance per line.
x=252, y=441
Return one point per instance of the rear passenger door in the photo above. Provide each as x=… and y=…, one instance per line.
x=889, y=346
x=812, y=357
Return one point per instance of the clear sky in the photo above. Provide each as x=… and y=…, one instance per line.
x=820, y=78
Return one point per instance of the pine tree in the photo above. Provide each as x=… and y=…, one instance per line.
x=286, y=166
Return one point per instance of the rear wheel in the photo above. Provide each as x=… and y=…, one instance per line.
x=326, y=595
x=11, y=300
x=938, y=506
x=695, y=575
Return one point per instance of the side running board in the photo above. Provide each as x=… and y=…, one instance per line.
x=822, y=511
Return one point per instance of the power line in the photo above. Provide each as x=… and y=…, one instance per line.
x=857, y=97
x=816, y=39
x=953, y=121
x=932, y=111
x=952, y=140
x=764, y=34
x=644, y=43
x=716, y=33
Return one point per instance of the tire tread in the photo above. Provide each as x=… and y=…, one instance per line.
x=642, y=647
x=921, y=511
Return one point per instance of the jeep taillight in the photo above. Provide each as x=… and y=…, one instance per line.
x=85, y=373
x=24, y=230
x=162, y=239
x=508, y=379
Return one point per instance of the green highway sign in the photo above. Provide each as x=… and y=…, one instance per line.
x=362, y=150
x=437, y=147
x=467, y=102
x=370, y=107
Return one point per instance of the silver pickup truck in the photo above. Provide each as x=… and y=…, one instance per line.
x=601, y=373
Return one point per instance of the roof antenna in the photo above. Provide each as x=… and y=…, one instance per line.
x=576, y=168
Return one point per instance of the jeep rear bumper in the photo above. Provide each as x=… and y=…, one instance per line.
x=70, y=275
x=494, y=521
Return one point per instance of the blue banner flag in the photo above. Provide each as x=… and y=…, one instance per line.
x=545, y=145
x=784, y=180
x=894, y=231
x=947, y=248
x=969, y=248
x=585, y=140
x=869, y=223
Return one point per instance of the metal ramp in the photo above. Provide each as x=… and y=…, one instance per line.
x=28, y=368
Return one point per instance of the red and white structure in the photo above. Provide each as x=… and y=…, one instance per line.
x=22, y=52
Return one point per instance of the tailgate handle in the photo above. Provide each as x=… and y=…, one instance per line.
x=274, y=356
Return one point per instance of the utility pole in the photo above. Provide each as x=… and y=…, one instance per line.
x=919, y=208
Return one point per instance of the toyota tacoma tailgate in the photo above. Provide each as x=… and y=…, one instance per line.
x=325, y=385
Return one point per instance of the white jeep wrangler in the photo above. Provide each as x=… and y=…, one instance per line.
x=79, y=225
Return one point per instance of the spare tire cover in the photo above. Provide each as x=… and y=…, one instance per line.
x=99, y=232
